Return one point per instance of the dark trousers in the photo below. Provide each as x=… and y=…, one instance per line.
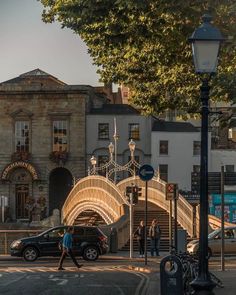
x=63, y=256
x=141, y=246
x=155, y=244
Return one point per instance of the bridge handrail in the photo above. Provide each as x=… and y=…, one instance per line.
x=116, y=200
x=185, y=213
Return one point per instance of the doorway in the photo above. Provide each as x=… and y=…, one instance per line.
x=22, y=195
x=60, y=184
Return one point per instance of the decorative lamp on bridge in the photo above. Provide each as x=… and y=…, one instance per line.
x=132, y=146
x=206, y=41
x=112, y=167
x=93, y=162
x=111, y=150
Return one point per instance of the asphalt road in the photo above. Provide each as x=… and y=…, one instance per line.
x=42, y=278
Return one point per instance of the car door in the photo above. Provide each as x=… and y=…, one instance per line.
x=78, y=239
x=50, y=240
x=230, y=241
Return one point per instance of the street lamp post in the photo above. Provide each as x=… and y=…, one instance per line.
x=206, y=42
x=93, y=162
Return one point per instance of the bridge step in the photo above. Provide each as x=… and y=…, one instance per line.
x=163, y=219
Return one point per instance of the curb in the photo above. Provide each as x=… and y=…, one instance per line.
x=142, y=269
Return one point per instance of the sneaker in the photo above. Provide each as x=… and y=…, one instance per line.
x=61, y=268
x=79, y=265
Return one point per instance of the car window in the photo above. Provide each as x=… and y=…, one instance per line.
x=229, y=234
x=79, y=231
x=58, y=232
x=91, y=231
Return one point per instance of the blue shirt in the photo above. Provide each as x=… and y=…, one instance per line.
x=67, y=241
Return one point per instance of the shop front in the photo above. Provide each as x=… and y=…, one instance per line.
x=229, y=206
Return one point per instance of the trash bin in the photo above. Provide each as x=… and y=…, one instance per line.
x=113, y=240
x=171, y=276
x=182, y=241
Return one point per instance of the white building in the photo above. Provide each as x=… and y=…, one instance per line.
x=175, y=150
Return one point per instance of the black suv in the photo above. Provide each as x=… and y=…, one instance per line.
x=88, y=242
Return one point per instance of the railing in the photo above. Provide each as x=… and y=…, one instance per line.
x=213, y=221
x=156, y=195
x=95, y=193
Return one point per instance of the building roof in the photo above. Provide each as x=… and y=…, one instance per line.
x=37, y=73
x=118, y=109
x=169, y=126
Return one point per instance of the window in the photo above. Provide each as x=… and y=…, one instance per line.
x=60, y=136
x=134, y=131
x=196, y=148
x=163, y=172
x=103, y=131
x=22, y=136
x=229, y=168
x=163, y=149
x=196, y=168
x=102, y=160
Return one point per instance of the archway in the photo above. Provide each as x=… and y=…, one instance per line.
x=89, y=217
x=60, y=184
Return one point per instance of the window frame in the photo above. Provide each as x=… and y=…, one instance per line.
x=166, y=147
x=165, y=178
x=22, y=121
x=196, y=149
x=103, y=134
x=67, y=134
x=134, y=134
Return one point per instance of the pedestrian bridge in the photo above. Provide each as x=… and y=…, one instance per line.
x=99, y=194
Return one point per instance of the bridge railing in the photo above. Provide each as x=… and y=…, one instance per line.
x=156, y=195
x=84, y=195
x=213, y=221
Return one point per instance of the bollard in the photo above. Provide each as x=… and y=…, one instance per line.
x=113, y=240
x=171, y=276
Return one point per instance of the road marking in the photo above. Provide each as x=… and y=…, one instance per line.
x=43, y=269
x=62, y=281
x=12, y=281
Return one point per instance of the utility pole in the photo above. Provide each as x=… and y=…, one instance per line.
x=131, y=224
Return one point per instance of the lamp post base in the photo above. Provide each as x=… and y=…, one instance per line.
x=203, y=286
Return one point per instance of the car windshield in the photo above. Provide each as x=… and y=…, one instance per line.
x=212, y=234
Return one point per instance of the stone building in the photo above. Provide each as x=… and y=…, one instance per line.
x=42, y=147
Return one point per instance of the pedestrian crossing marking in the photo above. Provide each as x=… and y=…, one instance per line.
x=43, y=269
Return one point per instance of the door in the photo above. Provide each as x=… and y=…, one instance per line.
x=49, y=241
x=22, y=195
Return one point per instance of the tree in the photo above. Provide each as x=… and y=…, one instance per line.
x=144, y=45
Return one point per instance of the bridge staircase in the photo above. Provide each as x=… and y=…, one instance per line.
x=153, y=212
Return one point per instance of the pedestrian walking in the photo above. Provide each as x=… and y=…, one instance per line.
x=67, y=249
x=140, y=235
x=155, y=236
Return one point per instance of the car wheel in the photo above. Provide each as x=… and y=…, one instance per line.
x=90, y=253
x=30, y=254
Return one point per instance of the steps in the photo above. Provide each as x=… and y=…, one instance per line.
x=154, y=212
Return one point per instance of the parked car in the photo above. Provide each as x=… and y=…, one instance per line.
x=214, y=242
x=88, y=242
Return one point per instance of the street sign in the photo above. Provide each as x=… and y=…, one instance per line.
x=171, y=191
x=146, y=172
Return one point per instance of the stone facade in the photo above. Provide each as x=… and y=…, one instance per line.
x=38, y=176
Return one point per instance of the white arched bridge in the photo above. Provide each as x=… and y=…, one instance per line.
x=102, y=196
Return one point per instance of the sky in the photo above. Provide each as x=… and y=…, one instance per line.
x=27, y=43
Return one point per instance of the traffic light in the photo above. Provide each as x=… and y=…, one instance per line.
x=137, y=192
x=128, y=191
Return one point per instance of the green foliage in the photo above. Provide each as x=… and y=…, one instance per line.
x=144, y=45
